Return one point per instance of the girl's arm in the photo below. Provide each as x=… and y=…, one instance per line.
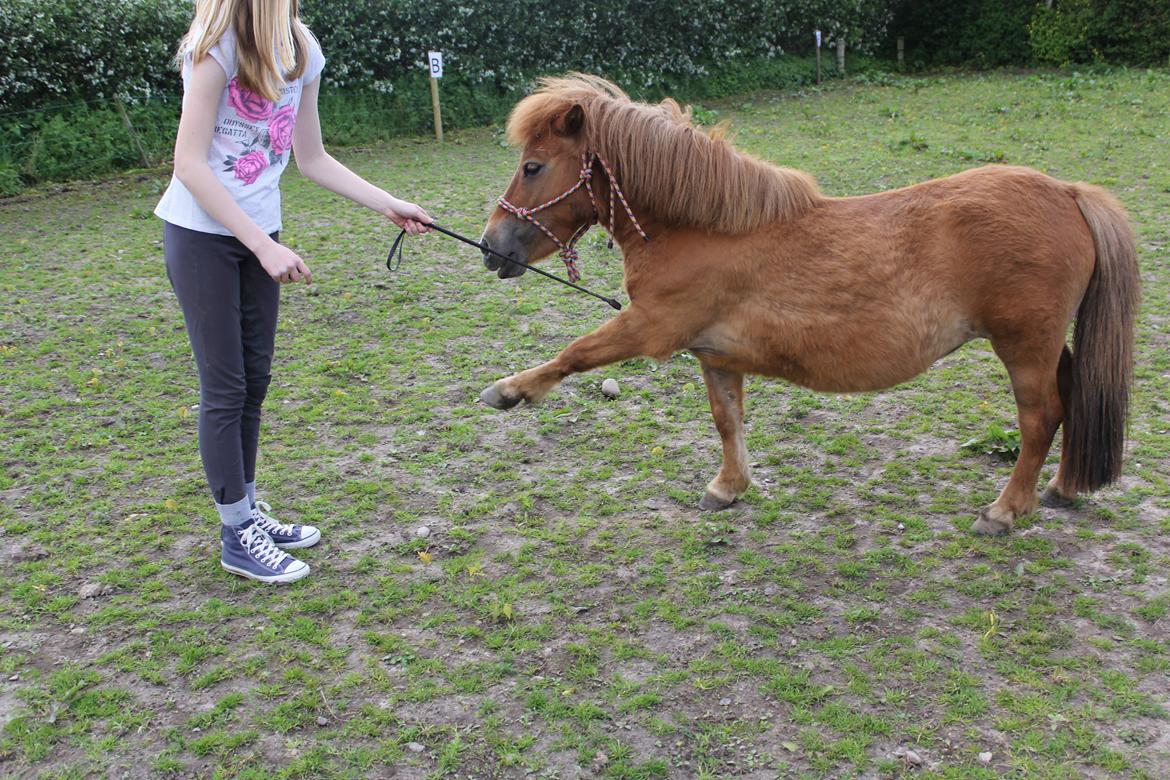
x=196, y=126
x=318, y=166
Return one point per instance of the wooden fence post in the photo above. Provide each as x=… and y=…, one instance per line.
x=901, y=52
x=435, y=66
x=818, y=34
x=142, y=155
x=435, y=108
x=841, y=54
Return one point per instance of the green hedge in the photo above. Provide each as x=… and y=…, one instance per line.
x=56, y=51
x=990, y=33
x=70, y=63
x=64, y=63
x=79, y=50
x=91, y=139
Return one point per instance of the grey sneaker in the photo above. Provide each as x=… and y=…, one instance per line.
x=286, y=537
x=249, y=552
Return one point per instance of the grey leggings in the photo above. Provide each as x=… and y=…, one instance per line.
x=229, y=303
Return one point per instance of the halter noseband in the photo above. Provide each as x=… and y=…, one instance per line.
x=568, y=251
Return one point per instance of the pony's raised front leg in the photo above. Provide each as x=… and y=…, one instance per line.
x=725, y=392
x=1040, y=412
x=621, y=338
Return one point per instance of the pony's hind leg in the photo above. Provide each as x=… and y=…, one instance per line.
x=1034, y=382
x=725, y=392
x=1057, y=495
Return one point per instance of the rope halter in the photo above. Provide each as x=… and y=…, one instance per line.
x=568, y=252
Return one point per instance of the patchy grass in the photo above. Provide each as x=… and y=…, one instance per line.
x=571, y=613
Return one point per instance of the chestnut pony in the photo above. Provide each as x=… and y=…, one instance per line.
x=752, y=269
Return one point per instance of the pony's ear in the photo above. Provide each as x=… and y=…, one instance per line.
x=571, y=122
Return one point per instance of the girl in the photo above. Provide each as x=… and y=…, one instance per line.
x=251, y=72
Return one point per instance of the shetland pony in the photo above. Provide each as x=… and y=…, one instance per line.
x=753, y=270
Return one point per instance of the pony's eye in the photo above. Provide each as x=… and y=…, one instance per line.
x=532, y=168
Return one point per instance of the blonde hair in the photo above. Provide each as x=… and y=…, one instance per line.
x=272, y=45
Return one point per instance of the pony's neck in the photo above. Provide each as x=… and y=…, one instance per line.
x=685, y=178
x=625, y=233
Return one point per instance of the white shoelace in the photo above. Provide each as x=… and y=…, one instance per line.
x=270, y=524
x=259, y=544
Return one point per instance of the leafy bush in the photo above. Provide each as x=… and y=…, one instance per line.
x=62, y=50
x=985, y=33
x=77, y=56
x=1060, y=35
x=1132, y=31
x=65, y=50
x=990, y=33
x=375, y=44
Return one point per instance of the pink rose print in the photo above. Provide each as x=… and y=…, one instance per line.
x=247, y=104
x=249, y=167
x=280, y=129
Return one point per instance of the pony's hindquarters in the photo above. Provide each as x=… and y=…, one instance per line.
x=1097, y=396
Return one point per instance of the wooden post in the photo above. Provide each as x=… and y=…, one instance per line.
x=901, y=52
x=818, y=56
x=841, y=54
x=142, y=155
x=435, y=106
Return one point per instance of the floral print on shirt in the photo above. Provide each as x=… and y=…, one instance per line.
x=268, y=145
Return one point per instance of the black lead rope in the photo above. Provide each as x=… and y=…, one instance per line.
x=393, y=262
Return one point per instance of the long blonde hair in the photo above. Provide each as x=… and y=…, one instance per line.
x=272, y=46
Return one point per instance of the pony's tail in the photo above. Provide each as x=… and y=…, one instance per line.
x=1097, y=401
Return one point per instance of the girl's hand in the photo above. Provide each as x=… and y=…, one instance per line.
x=409, y=216
x=283, y=264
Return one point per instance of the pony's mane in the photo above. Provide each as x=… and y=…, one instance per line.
x=678, y=173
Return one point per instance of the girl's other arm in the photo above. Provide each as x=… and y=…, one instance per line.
x=196, y=126
x=318, y=166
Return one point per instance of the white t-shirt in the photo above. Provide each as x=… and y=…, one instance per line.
x=250, y=147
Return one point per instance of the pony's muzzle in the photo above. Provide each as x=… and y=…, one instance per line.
x=494, y=262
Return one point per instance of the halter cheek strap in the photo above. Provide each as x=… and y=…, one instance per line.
x=568, y=252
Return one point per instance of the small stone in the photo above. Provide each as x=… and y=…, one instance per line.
x=14, y=678
x=985, y=758
x=901, y=526
x=415, y=747
x=611, y=388
x=78, y=630
x=93, y=589
x=422, y=532
x=724, y=702
x=322, y=720
x=909, y=756
x=769, y=590
x=600, y=759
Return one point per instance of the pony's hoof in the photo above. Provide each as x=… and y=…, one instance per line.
x=712, y=503
x=989, y=525
x=1054, y=499
x=492, y=396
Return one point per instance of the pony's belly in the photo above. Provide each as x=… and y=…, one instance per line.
x=836, y=360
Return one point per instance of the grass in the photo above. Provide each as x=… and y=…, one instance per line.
x=571, y=611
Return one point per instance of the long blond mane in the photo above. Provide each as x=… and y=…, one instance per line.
x=666, y=166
